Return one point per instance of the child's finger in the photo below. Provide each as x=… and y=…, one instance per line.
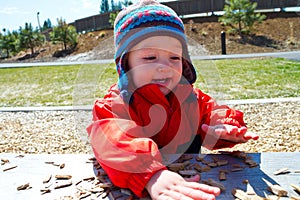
x=241, y=131
x=205, y=127
x=233, y=130
x=220, y=131
x=203, y=187
x=250, y=135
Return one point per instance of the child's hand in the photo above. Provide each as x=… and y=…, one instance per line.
x=169, y=185
x=230, y=133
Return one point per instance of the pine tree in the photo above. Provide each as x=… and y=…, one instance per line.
x=30, y=38
x=240, y=16
x=64, y=34
x=104, y=6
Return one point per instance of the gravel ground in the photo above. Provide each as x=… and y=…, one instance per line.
x=278, y=125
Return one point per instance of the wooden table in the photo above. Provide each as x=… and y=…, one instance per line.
x=33, y=168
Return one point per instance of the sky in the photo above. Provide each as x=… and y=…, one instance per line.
x=15, y=13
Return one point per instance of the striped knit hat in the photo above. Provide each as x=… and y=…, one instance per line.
x=143, y=20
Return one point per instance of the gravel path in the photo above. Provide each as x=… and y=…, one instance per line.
x=278, y=125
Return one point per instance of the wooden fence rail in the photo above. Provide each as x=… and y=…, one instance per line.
x=181, y=7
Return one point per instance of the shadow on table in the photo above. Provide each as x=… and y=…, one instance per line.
x=257, y=177
x=249, y=178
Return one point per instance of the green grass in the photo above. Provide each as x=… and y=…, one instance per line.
x=249, y=78
x=82, y=84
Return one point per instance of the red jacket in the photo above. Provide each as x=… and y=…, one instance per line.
x=130, y=141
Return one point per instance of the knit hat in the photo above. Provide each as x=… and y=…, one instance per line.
x=143, y=20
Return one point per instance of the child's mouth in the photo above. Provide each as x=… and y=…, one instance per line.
x=162, y=82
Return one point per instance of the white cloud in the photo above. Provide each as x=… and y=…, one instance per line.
x=9, y=10
x=85, y=7
x=90, y=4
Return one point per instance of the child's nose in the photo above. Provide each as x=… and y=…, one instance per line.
x=163, y=68
x=164, y=65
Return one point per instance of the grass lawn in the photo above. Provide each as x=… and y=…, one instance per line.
x=82, y=84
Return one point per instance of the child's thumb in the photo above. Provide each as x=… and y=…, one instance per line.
x=204, y=127
x=195, y=178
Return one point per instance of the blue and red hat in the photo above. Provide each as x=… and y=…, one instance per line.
x=146, y=19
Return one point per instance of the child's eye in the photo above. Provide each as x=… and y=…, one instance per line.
x=175, y=58
x=149, y=58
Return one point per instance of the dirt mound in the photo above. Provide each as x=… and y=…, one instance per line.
x=277, y=34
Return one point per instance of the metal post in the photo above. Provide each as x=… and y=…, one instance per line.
x=223, y=42
x=37, y=14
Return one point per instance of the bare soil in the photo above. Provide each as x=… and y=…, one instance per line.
x=273, y=35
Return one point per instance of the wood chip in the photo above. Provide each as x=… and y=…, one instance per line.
x=222, y=175
x=89, y=178
x=199, y=158
x=185, y=157
x=61, y=166
x=205, y=169
x=281, y=171
x=296, y=187
x=188, y=172
x=278, y=190
x=24, y=187
x=47, y=179
x=105, y=185
x=251, y=163
x=84, y=195
x=222, y=162
x=63, y=177
x=78, y=182
x=62, y=185
x=211, y=182
x=197, y=167
x=45, y=190
x=9, y=168
x=49, y=162
x=236, y=169
x=97, y=190
x=241, y=195
x=4, y=161
x=175, y=167
x=295, y=198
x=212, y=164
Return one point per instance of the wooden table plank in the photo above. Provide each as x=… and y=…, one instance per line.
x=33, y=169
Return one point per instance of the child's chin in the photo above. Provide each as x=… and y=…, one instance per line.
x=164, y=90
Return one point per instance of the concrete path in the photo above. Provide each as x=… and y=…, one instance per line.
x=89, y=107
x=292, y=55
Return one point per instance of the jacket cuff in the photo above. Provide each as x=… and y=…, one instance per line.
x=137, y=183
x=224, y=144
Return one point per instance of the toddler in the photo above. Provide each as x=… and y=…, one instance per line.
x=155, y=111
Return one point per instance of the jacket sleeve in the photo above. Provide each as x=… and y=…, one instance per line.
x=129, y=160
x=213, y=114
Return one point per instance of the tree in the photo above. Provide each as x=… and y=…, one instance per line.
x=47, y=24
x=64, y=34
x=112, y=18
x=127, y=3
x=104, y=6
x=29, y=38
x=6, y=43
x=240, y=16
x=113, y=6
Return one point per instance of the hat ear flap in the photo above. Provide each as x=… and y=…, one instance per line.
x=122, y=69
x=188, y=71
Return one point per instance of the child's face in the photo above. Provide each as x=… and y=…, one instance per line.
x=156, y=60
